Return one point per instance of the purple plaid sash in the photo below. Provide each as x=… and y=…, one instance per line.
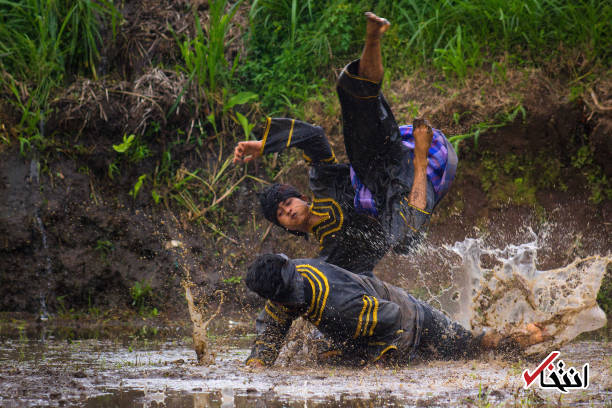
x=436, y=170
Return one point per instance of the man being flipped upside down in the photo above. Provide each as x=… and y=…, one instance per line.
x=368, y=319
x=384, y=198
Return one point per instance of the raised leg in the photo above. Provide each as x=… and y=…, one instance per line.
x=370, y=65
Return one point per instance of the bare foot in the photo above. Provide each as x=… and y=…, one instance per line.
x=423, y=135
x=530, y=335
x=376, y=26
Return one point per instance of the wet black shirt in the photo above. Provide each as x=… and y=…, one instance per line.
x=352, y=240
x=364, y=315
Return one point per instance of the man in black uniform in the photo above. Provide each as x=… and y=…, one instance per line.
x=367, y=318
x=383, y=199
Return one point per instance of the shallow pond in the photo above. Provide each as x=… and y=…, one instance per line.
x=146, y=372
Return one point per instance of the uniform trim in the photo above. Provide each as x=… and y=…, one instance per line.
x=374, y=316
x=345, y=71
x=321, y=298
x=312, y=285
x=358, y=329
x=265, y=136
x=334, y=222
x=391, y=347
x=290, y=132
x=416, y=208
x=367, y=317
x=360, y=97
x=406, y=221
x=330, y=159
x=370, y=310
x=276, y=311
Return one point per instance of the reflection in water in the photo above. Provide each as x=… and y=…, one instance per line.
x=96, y=373
x=138, y=399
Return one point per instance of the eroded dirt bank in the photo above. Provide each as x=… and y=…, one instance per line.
x=74, y=234
x=77, y=239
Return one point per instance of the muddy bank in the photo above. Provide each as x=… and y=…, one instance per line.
x=75, y=233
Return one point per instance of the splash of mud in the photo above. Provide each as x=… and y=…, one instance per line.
x=513, y=292
x=184, y=262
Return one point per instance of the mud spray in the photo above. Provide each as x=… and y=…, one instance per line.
x=489, y=288
x=513, y=291
x=185, y=262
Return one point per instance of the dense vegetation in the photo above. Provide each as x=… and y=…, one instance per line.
x=293, y=44
x=289, y=49
x=240, y=60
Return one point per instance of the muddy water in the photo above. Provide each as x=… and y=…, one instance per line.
x=154, y=373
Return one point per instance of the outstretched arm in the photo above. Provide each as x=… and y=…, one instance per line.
x=282, y=133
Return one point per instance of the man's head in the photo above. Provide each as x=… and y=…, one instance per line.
x=283, y=205
x=274, y=277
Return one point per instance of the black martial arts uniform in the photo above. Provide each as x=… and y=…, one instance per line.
x=349, y=238
x=363, y=315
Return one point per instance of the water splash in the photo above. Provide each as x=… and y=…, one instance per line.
x=513, y=292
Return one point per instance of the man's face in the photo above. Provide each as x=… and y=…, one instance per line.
x=293, y=214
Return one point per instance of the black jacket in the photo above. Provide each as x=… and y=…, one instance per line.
x=352, y=240
x=365, y=316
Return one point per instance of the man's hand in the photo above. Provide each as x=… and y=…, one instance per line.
x=423, y=135
x=247, y=151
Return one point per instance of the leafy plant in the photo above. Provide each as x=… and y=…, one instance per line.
x=141, y=293
x=125, y=145
x=459, y=54
x=204, y=55
x=501, y=120
x=233, y=280
x=596, y=179
x=136, y=189
x=42, y=40
x=104, y=247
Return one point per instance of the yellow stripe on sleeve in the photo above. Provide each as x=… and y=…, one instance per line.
x=265, y=136
x=374, y=316
x=324, y=302
x=312, y=285
x=272, y=315
x=358, y=330
x=290, y=132
x=367, y=320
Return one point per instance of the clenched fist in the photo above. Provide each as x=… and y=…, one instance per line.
x=247, y=151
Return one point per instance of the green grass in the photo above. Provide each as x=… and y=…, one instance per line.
x=40, y=43
x=293, y=46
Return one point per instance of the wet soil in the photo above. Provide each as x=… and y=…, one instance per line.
x=40, y=368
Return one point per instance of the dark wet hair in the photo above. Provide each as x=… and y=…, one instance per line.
x=264, y=275
x=269, y=199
